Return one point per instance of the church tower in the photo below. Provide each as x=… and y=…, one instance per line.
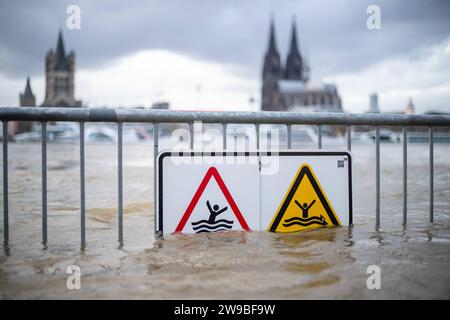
x=60, y=77
x=295, y=65
x=410, y=109
x=287, y=88
x=272, y=72
x=27, y=98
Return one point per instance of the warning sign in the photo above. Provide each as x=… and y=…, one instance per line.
x=211, y=215
x=305, y=205
x=291, y=191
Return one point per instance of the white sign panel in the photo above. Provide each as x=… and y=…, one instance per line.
x=309, y=189
x=204, y=193
x=287, y=191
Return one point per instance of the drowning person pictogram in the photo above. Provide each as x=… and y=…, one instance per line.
x=305, y=220
x=305, y=207
x=212, y=225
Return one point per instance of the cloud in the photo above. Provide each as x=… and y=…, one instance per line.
x=158, y=75
x=143, y=78
x=232, y=32
x=229, y=35
x=149, y=76
x=421, y=76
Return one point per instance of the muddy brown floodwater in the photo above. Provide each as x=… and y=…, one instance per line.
x=322, y=263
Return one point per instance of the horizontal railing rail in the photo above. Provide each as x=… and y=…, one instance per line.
x=171, y=116
x=120, y=116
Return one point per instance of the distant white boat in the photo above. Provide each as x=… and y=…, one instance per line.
x=385, y=136
x=70, y=132
x=32, y=136
x=105, y=134
x=271, y=136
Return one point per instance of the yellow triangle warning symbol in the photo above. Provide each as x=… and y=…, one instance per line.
x=305, y=205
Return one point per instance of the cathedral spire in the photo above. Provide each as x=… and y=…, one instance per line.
x=272, y=40
x=272, y=64
x=61, y=60
x=272, y=73
x=294, y=47
x=294, y=63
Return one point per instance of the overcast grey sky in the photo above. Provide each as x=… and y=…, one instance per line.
x=229, y=38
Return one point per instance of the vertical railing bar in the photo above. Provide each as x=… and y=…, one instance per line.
x=44, y=182
x=349, y=138
x=5, y=186
x=155, y=155
x=377, y=177
x=82, y=190
x=120, y=182
x=431, y=144
x=289, y=138
x=191, y=134
x=224, y=132
x=257, y=135
x=405, y=175
x=319, y=136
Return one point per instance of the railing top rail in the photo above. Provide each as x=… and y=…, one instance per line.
x=172, y=116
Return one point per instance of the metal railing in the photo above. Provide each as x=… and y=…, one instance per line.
x=120, y=116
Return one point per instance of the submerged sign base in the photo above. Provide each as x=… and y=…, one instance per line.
x=287, y=191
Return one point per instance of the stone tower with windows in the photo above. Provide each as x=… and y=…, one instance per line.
x=60, y=77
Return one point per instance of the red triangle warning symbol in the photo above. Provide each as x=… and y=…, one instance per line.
x=215, y=212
